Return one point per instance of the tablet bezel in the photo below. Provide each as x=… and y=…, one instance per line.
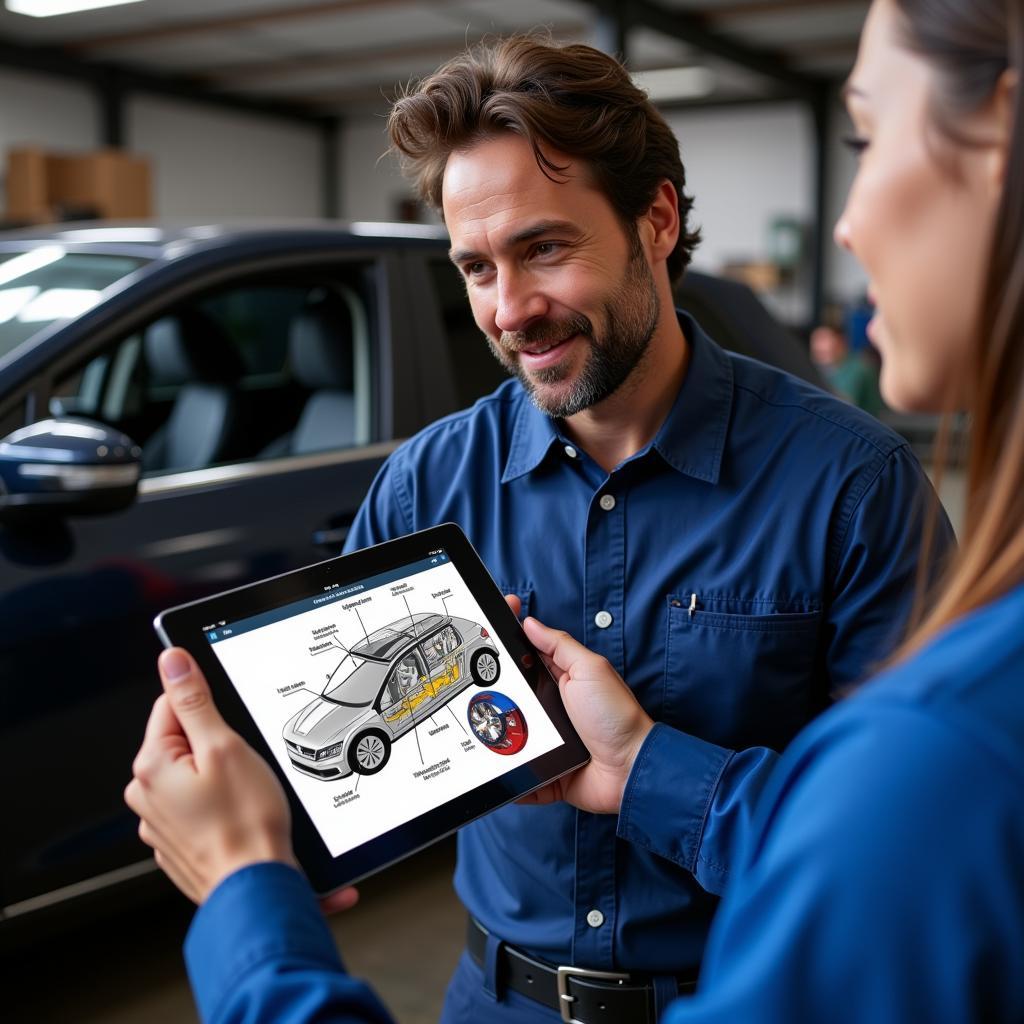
x=184, y=626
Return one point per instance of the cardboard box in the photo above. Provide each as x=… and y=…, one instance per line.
x=107, y=184
x=27, y=185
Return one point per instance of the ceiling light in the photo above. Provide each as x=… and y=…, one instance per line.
x=676, y=83
x=48, y=8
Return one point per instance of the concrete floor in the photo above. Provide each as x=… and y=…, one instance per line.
x=404, y=936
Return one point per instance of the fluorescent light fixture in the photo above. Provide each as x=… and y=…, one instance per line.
x=27, y=262
x=667, y=84
x=58, y=303
x=48, y=8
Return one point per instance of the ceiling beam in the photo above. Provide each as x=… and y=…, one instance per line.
x=432, y=50
x=693, y=30
x=54, y=61
x=751, y=8
x=230, y=23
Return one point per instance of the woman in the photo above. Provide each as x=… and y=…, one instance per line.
x=883, y=877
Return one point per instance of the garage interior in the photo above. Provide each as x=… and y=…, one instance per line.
x=201, y=112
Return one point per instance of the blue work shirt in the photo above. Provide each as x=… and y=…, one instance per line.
x=881, y=881
x=757, y=556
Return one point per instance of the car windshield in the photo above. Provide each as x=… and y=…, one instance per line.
x=388, y=641
x=358, y=689
x=47, y=283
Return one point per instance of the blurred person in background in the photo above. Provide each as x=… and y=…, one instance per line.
x=849, y=373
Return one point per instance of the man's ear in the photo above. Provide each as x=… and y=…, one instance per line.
x=659, y=226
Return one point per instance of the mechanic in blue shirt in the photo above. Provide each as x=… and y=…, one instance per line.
x=739, y=545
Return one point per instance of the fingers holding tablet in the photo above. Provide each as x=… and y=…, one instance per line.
x=208, y=803
x=605, y=713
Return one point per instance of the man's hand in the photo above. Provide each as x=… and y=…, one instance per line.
x=208, y=803
x=604, y=711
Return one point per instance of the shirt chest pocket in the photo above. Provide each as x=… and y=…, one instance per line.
x=740, y=680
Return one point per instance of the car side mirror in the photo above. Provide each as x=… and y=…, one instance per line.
x=67, y=466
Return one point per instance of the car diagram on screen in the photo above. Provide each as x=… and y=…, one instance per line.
x=497, y=722
x=397, y=677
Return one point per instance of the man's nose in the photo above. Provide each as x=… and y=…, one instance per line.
x=520, y=302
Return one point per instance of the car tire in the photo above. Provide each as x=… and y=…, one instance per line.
x=369, y=752
x=484, y=666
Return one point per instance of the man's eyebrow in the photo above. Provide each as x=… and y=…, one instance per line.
x=460, y=256
x=849, y=89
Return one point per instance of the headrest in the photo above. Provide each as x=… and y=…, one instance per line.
x=320, y=346
x=189, y=347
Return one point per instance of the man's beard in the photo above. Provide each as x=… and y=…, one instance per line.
x=630, y=319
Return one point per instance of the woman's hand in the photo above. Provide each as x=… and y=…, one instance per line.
x=609, y=719
x=208, y=803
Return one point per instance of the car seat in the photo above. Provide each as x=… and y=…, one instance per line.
x=190, y=351
x=321, y=351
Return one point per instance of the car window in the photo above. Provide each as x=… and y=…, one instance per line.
x=265, y=368
x=439, y=646
x=359, y=688
x=47, y=283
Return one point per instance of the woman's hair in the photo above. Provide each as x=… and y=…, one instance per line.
x=573, y=99
x=971, y=44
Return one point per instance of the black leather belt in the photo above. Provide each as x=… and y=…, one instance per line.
x=580, y=995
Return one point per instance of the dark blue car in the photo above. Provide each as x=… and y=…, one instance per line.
x=184, y=411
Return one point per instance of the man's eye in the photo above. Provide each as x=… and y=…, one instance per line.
x=475, y=269
x=545, y=248
x=856, y=143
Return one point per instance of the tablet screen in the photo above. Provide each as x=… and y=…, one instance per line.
x=383, y=698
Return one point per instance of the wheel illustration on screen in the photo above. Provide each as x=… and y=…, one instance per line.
x=369, y=753
x=484, y=667
x=497, y=722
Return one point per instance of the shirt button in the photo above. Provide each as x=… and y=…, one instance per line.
x=570, y=451
x=603, y=620
x=607, y=502
x=595, y=919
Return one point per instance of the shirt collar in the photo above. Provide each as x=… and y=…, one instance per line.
x=691, y=439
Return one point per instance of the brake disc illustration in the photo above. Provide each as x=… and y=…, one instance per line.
x=497, y=722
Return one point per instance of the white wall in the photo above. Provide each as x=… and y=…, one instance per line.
x=371, y=186
x=744, y=166
x=42, y=111
x=218, y=164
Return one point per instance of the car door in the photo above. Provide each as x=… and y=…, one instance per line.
x=78, y=596
x=406, y=696
x=445, y=665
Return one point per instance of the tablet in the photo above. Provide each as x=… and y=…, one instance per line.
x=392, y=690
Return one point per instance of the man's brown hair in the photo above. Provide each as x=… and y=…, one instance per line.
x=573, y=99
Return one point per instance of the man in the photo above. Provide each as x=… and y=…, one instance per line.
x=848, y=373
x=739, y=545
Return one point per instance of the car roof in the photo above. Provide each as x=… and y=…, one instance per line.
x=171, y=240
x=393, y=640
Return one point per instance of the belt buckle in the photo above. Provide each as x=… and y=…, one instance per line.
x=565, y=999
